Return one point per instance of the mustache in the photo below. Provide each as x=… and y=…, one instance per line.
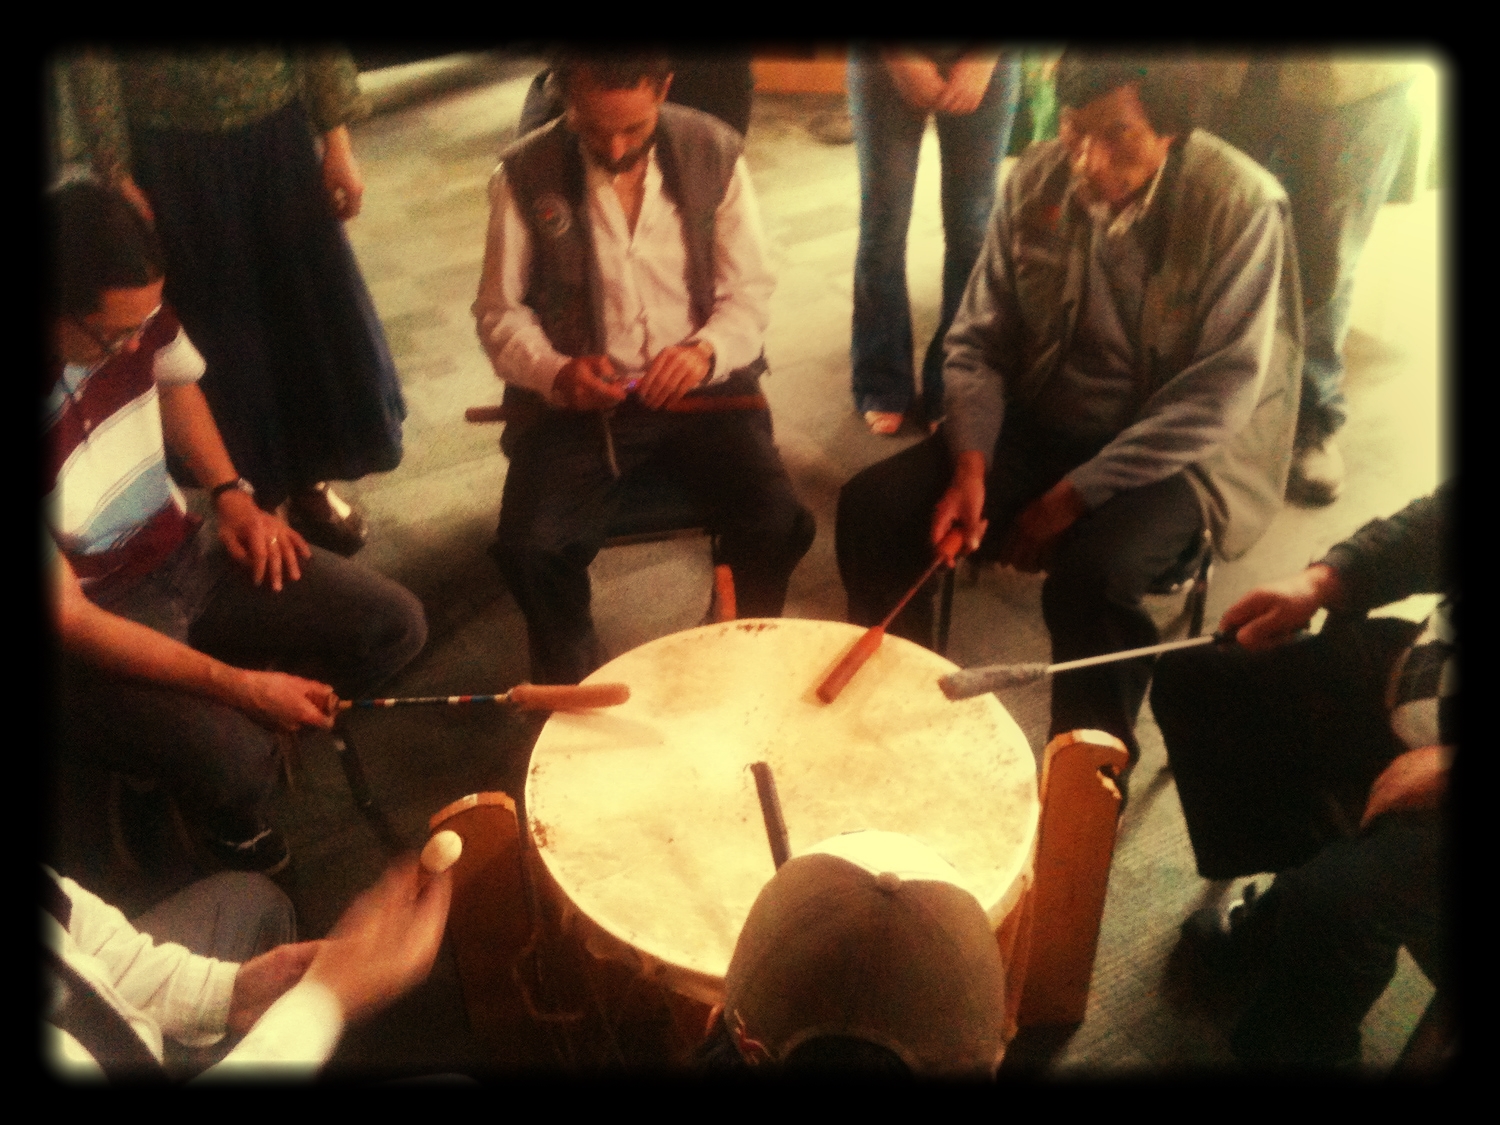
x=629, y=160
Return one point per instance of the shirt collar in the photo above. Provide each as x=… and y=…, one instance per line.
x=1131, y=213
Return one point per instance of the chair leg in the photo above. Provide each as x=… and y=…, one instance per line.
x=289, y=750
x=1198, y=598
x=945, y=610
x=724, y=608
x=359, y=789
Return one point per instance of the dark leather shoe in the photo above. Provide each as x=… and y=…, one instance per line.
x=265, y=852
x=1232, y=944
x=327, y=520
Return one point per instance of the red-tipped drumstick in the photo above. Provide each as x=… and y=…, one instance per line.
x=864, y=648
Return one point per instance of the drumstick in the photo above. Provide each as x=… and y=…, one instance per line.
x=692, y=404
x=970, y=682
x=864, y=648
x=528, y=697
x=770, y=811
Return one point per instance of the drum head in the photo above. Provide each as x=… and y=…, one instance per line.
x=646, y=815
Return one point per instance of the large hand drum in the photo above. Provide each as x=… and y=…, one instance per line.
x=646, y=815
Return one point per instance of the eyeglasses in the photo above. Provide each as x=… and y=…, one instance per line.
x=113, y=346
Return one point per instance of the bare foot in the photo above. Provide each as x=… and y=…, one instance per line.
x=882, y=423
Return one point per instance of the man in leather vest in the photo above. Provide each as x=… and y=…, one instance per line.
x=1121, y=377
x=624, y=282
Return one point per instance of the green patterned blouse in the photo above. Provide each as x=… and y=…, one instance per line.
x=207, y=90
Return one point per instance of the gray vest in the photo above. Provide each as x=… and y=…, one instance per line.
x=1207, y=192
x=545, y=170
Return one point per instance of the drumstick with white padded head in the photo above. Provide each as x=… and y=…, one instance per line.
x=441, y=853
x=969, y=682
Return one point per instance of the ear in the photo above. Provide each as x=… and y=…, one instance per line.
x=666, y=85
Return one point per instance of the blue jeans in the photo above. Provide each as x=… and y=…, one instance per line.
x=341, y=623
x=1337, y=164
x=888, y=141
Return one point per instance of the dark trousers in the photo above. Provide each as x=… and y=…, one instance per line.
x=341, y=623
x=1274, y=754
x=1091, y=598
x=561, y=496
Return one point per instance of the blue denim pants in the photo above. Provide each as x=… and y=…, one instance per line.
x=1337, y=164
x=341, y=623
x=888, y=140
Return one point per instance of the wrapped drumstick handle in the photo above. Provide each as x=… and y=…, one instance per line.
x=970, y=682
x=528, y=697
x=864, y=648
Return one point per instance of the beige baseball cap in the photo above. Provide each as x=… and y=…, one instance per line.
x=869, y=936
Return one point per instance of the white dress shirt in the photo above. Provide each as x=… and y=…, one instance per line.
x=161, y=989
x=641, y=277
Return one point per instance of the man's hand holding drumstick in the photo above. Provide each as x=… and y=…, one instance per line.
x=381, y=948
x=963, y=503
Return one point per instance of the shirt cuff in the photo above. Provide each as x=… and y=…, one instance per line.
x=720, y=370
x=291, y=1041
x=211, y=1018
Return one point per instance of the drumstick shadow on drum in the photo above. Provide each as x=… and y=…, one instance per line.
x=947, y=553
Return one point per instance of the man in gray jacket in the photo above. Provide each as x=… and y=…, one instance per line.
x=1122, y=376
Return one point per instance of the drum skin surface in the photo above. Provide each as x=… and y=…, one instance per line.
x=646, y=818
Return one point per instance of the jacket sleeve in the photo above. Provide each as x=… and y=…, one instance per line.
x=291, y=1041
x=1390, y=559
x=187, y=995
x=984, y=339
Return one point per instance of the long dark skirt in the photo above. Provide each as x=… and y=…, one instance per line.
x=299, y=377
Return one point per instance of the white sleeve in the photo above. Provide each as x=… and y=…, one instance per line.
x=292, y=1040
x=186, y=995
x=178, y=362
x=743, y=282
x=508, y=330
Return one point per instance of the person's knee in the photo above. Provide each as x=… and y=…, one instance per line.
x=398, y=628
x=225, y=767
x=1077, y=581
x=258, y=912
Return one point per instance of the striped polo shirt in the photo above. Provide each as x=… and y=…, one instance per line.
x=107, y=498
